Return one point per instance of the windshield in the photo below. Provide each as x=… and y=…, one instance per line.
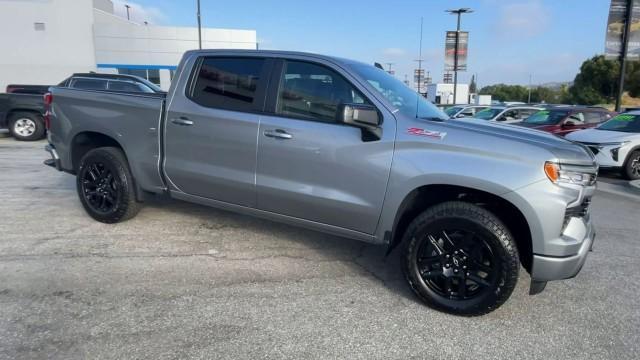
x=623, y=122
x=452, y=110
x=488, y=114
x=546, y=117
x=408, y=102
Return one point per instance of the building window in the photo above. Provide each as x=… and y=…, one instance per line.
x=152, y=75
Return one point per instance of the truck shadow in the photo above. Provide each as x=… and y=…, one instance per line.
x=255, y=234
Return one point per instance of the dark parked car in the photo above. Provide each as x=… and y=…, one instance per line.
x=566, y=119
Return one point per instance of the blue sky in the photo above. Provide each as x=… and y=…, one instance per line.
x=508, y=39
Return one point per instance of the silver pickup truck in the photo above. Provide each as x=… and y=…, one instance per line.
x=342, y=147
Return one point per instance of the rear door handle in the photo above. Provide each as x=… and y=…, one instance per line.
x=278, y=134
x=182, y=121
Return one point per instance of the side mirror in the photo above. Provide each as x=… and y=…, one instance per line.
x=569, y=123
x=359, y=115
x=461, y=115
x=363, y=116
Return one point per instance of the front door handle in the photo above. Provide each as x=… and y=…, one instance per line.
x=278, y=134
x=182, y=121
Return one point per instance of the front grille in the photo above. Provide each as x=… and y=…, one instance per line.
x=578, y=211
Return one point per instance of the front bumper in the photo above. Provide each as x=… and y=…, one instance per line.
x=55, y=159
x=547, y=268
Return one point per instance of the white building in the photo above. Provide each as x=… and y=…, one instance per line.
x=443, y=94
x=45, y=41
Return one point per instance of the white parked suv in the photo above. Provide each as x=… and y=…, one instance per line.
x=615, y=143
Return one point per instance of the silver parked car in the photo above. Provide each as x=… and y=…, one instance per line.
x=507, y=114
x=342, y=147
x=615, y=143
x=460, y=111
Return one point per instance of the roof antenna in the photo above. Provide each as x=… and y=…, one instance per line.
x=378, y=65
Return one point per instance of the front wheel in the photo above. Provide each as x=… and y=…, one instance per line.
x=632, y=166
x=460, y=258
x=105, y=186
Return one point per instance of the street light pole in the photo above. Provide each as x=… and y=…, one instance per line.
x=623, y=57
x=458, y=12
x=127, y=6
x=199, y=28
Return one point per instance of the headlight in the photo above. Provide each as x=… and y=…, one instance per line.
x=570, y=174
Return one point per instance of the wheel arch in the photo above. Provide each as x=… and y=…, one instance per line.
x=423, y=197
x=13, y=111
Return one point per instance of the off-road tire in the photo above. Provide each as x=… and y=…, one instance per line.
x=120, y=188
x=495, y=235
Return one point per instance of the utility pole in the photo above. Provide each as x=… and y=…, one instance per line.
x=529, y=100
x=420, y=57
x=127, y=6
x=199, y=28
x=390, y=63
x=623, y=56
x=458, y=12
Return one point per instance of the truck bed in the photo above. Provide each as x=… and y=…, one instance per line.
x=133, y=120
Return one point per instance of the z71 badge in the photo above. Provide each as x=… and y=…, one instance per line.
x=427, y=133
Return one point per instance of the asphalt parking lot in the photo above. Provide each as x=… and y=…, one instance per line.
x=186, y=281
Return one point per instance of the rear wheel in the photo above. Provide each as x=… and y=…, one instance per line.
x=460, y=258
x=105, y=186
x=26, y=126
x=632, y=167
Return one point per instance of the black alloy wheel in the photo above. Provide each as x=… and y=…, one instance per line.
x=457, y=264
x=100, y=188
x=460, y=258
x=105, y=185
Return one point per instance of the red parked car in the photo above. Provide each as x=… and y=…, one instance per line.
x=565, y=119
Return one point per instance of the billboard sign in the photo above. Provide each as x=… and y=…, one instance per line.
x=616, y=27
x=450, y=50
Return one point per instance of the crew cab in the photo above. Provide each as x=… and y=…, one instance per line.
x=342, y=147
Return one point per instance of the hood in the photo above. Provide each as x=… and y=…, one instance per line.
x=601, y=136
x=564, y=150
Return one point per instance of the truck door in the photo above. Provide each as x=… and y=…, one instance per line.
x=211, y=130
x=310, y=166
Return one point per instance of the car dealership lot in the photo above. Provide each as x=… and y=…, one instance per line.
x=183, y=280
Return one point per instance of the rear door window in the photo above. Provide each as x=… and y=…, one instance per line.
x=89, y=84
x=229, y=83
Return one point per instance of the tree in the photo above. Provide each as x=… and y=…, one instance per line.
x=503, y=92
x=472, y=85
x=596, y=83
